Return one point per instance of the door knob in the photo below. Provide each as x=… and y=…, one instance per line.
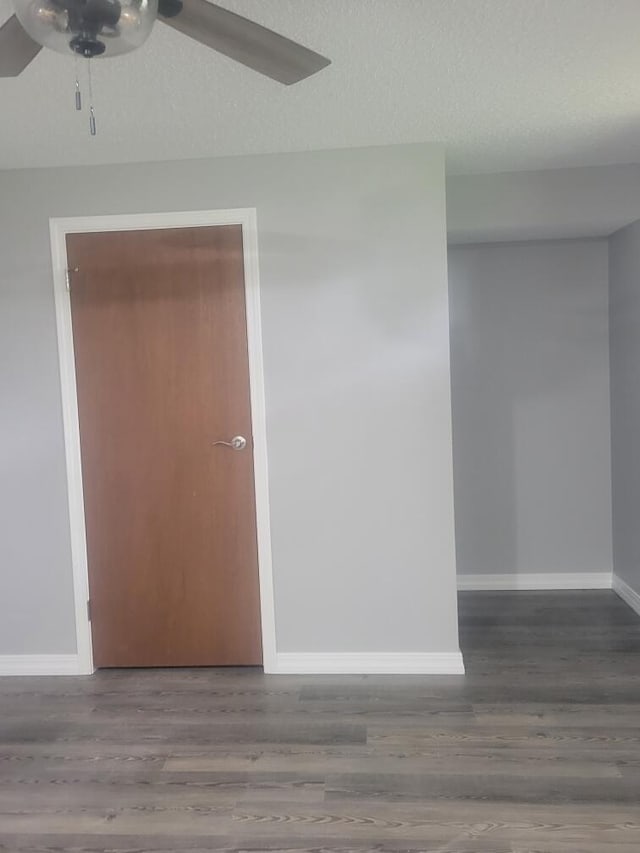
x=238, y=442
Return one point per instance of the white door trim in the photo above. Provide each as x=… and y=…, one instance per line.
x=59, y=228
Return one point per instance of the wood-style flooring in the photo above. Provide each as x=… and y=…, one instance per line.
x=535, y=750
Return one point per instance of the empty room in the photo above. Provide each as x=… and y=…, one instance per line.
x=319, y=404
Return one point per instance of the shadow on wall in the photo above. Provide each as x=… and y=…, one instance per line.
x=530, y=392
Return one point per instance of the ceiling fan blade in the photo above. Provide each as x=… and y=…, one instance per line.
x=17, y=49
x=245, y=41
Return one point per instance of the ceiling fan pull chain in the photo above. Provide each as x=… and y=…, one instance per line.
x=92, y=117
x=78, y=93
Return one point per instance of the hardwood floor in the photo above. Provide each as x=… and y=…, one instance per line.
x=535, y=750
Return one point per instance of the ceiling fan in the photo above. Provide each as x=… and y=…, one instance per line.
x=95, y=28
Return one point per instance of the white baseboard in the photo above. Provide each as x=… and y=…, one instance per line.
x=39, y=665
x=548, y=580
x=364, y=663
x=343, y=663
x=626, y=593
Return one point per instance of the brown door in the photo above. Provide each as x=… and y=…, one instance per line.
x=159, y=332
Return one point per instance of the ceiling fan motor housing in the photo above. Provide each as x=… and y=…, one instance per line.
x=169, y=8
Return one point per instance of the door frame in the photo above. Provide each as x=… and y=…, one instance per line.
x=59, y=228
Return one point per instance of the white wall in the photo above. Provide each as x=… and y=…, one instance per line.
x=624, y=318
x=355, y=321
x=541, y=205
x=530, y=386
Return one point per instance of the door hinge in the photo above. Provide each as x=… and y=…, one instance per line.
x=89, y=610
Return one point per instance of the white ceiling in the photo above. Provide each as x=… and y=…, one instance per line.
x=506, y=84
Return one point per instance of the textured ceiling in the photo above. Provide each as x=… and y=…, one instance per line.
x=505, y=84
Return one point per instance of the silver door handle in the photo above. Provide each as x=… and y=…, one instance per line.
x=238, y=442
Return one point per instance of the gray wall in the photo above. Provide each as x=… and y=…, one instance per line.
x=530, y=385
x=624, y=318
x=546, y=204
x=355, y=322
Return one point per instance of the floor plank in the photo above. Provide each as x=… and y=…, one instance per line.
x=535, y=750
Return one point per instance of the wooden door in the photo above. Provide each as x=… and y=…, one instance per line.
x=159, y=332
